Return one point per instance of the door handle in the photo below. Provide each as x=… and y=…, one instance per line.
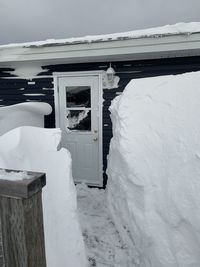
x=95, y=139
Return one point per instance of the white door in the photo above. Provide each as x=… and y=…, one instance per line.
x=79, y=122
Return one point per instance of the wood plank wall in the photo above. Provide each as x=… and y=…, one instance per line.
x=14, y=91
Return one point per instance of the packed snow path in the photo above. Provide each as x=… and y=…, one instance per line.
x=104, y=247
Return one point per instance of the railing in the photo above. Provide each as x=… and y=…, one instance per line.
x=21, y=220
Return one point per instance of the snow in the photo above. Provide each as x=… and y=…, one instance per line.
x=178, y=28
x=14, y=176
x=24, y=114
x=104, y=246
x=37, y=107
x=73, y=121
x=154, y=169
x=36, y=149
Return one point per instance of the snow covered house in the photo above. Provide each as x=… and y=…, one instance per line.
x=79, y=77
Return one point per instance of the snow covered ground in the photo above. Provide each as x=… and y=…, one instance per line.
x=104, y=246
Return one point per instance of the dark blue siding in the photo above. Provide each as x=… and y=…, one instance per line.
x=10, y=92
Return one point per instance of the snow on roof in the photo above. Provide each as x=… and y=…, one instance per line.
x=167, y=30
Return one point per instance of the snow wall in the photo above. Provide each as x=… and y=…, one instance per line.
x=36, y=149
x=154, y=169
x=23, y=114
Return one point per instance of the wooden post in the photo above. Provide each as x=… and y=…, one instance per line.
x=22, y=221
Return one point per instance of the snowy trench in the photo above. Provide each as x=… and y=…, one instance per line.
x=149, y=215
x=104, y=246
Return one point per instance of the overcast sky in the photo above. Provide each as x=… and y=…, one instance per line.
x=31, y=20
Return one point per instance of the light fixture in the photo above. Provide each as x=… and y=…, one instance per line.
x=110, y=80
x=110, y=75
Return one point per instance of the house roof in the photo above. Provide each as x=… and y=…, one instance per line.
x=167, y=30
x=170, y=40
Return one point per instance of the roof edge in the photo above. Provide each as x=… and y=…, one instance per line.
x=167, y=30
x=180, y=44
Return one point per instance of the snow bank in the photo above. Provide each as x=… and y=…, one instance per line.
x=35, y=149
x=24, y=114
x=154, y=169
x=178, y=28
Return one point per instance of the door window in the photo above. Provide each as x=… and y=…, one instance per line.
x=78, y=96
x=78, y=108
x=79, y=120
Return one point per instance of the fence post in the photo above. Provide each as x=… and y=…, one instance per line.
x=22, y=221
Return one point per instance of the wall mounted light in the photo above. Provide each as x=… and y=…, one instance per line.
x=110, y=75
x=110, y=80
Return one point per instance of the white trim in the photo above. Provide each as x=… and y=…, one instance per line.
x=101, y=126
x=79, y=73
x=99, y=74
x=141, y=48
x=56, y=102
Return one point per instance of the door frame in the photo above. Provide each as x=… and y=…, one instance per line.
x=99, y=75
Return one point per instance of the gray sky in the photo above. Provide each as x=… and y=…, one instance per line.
x=32, y=20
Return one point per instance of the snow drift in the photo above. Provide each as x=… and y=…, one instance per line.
x=23, y=114
x=36, y=149
x=154, y=169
